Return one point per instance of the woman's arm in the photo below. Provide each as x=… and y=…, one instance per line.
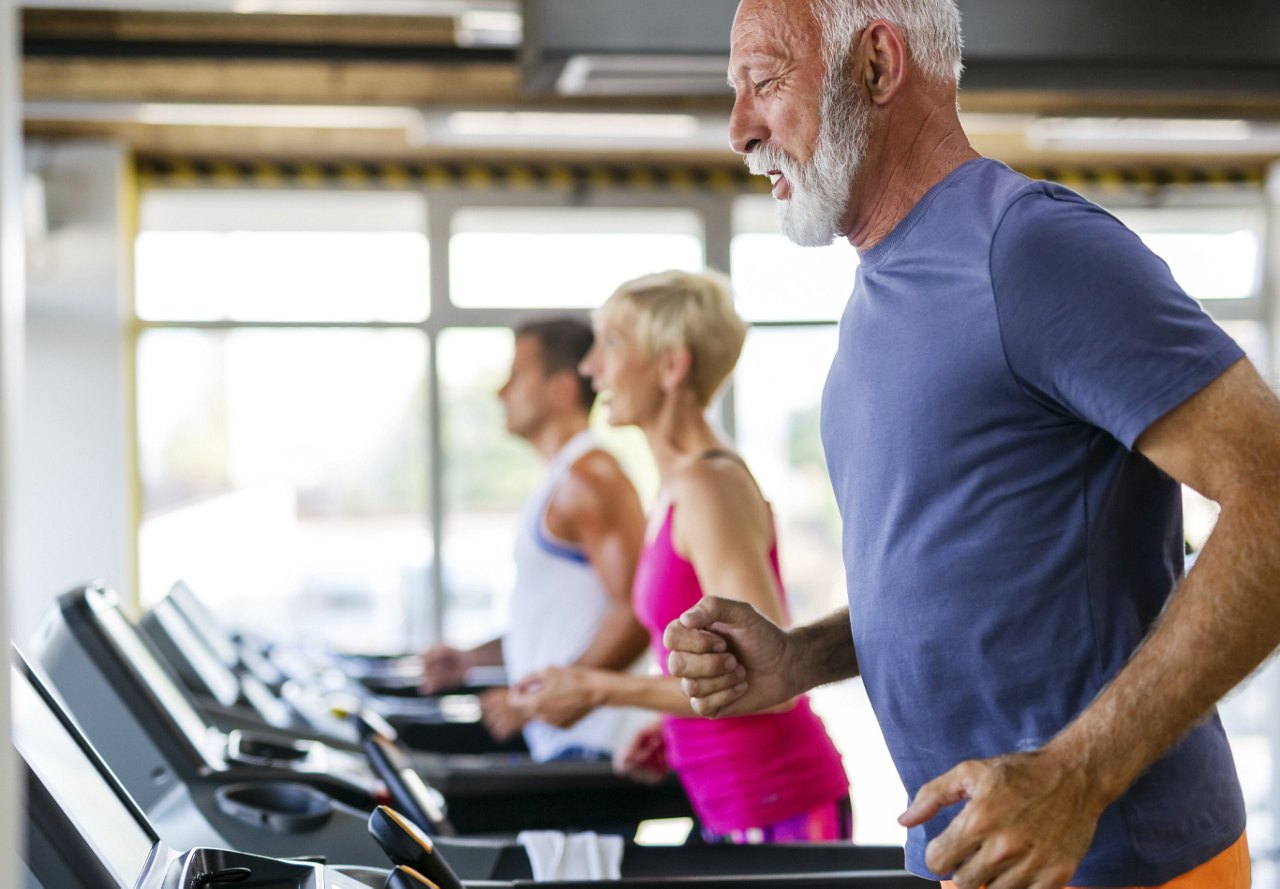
x=563, y=695
x=723, y=526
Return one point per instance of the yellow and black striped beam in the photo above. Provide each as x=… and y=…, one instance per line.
x=171, y=173
x=178, y=173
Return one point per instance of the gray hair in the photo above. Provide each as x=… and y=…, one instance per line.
x=931, y=29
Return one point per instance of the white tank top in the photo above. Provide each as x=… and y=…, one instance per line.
x=556, y=609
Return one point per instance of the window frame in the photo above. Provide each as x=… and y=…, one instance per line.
x=442, y=204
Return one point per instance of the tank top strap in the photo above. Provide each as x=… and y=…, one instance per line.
x=571, y=452
x=557, y=469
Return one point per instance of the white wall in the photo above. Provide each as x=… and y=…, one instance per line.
x=10, y=370
x=74, y=491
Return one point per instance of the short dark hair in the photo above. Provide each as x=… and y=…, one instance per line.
x=562, y=344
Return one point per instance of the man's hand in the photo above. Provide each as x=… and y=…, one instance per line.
x=443, y=668
x=559, y=696
x=502, y=720
x=1027, y=824
x=730, y=659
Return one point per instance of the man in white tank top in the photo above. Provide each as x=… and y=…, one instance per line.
x=576, y=552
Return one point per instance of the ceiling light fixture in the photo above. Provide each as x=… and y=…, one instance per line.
x=488, y=28
x=573, y=124
x=218, y=115
x=631, y=74
x=1138, y=135
x=570, y=130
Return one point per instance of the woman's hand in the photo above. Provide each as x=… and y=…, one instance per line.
x=559, y=696
x=645, y=759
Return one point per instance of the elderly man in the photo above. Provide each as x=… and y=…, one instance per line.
x=1019, y=388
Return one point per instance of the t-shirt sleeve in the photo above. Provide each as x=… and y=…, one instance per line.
x=1092, y=322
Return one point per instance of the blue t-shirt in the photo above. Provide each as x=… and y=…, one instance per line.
x=1005, y=547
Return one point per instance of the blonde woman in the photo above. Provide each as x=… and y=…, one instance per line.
x=665, y=344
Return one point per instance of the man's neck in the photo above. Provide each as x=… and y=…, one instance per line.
x=555, y=434
x=900, y=170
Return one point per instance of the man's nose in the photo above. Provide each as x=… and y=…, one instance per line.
x=747, y=129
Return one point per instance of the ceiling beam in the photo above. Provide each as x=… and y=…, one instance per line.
x=169, y=27
x=288, y=82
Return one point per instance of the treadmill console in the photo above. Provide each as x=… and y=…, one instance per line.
x=106, y=618
x=86, y=832
x=200, y=617
x=217, y=679
x=105, y=816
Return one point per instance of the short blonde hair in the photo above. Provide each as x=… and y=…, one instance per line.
x=691, y=309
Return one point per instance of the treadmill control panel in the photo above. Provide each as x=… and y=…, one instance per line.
x=110, y=823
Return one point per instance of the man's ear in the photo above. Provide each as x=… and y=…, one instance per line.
x=565, y=384
x=882, y=61
x=674, y=366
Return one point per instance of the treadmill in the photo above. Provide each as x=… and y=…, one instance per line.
x=238, y=681
x=177, y=766
x=397, y=674
x=207, y=672
x=104, y=667
x=86, y=832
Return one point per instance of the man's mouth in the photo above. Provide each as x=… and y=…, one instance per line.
x=781, y=187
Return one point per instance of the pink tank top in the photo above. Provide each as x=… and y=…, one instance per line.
x=744, y=771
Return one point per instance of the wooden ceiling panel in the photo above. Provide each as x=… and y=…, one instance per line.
x=284, y=82
x=169, y=27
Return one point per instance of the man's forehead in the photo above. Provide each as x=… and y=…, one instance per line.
x=527, y=347
x=786, y=26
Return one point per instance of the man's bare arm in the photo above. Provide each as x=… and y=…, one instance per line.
x=1224, y=619
x=1034, y=814
x=827, y=649
x=597, y=508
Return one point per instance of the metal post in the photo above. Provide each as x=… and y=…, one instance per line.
x=12, y=299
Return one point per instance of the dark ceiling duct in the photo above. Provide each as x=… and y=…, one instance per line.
x=626, y=47
x=1161, y=46
x=680, y=47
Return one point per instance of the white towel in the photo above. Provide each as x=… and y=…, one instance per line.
x=555, y=855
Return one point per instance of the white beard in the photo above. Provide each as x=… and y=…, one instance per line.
x=821, y=187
